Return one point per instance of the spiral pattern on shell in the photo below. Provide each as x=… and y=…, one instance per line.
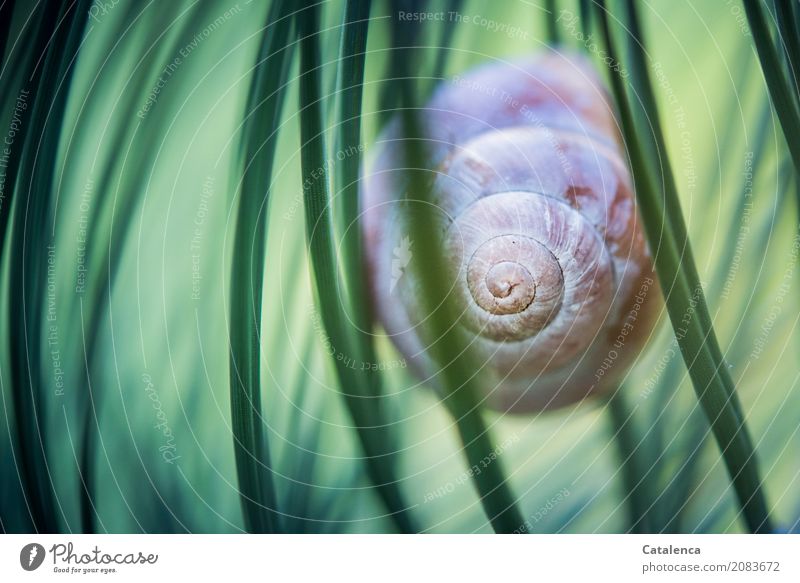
x=549, y=267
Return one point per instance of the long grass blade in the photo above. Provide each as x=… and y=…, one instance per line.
x=103, y=261
x=359, y=397
x=671, y=503
x=636, y=476
x=686, y=306
x=790, y=40
x=553, y=33
x=405, y=36
x=6, y=14
x=786, y=103
x=44, y=29
x=32, y=259
x=674, y=500
x=351, y=79
x=585, y=11
x=448, y=32
x=449, y=349
x=259, y=141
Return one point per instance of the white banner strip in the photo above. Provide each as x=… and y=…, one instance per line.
x=354, y=558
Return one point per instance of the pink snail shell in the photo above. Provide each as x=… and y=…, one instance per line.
x=550, y=268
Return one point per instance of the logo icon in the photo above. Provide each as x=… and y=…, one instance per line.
x=402, y=257
x=31, y=556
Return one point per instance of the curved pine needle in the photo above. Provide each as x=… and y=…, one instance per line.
x=786, y=104
x=635, y=474
x=360, y=398
x=553, y=33
x=666, y=232
x=107, y=259
x=259, y=140
x=790, y=40
x=30, y=256
x=351, y=78
x=450, y=349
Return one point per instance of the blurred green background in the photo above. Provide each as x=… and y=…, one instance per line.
x=156, y=193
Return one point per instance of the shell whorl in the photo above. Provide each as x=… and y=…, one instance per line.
x=544, y=258
x=538, y=228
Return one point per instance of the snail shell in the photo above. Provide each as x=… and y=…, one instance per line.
x=549, y=267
